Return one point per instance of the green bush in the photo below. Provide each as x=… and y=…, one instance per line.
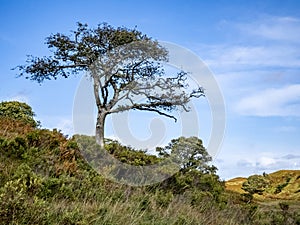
x=18, y=111
x=13, y=148
x=255, y=184
x=163, y=199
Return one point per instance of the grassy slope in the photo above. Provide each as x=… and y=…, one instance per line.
x=48, y=183
x=43, y=180
x=235, y=184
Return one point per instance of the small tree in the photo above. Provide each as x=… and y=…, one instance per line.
x=195, y=169
x=122, y=63
x=18, y=111
x=255, y=184
x=189, y=153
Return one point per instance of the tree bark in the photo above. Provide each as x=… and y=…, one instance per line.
x=100, y=129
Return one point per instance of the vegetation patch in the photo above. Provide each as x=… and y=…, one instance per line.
x=44, y=179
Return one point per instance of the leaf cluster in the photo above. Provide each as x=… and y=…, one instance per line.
x=19, y=111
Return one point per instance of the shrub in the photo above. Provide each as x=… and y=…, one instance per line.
x=255, y=184
x=13, y=148
x=18, y=111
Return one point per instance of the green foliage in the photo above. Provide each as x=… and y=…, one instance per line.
x=163, y=199
x=18, y=111
x=195, y=171
x=280, y=187
x=189, y=154
x=92, y=151
x=13, y=148
x=247, y=197
x=104, y=159
x=255, y=184
x=18, y=193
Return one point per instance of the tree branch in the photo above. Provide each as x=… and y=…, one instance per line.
x=157, y=111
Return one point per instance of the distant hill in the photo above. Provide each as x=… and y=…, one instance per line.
x=283, y=185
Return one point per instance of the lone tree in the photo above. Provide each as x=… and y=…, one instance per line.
x=126, y=68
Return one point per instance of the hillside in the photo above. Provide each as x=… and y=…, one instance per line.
x=235, y=184
x=283, y=185
x=44, y=179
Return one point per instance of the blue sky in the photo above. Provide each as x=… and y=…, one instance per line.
x=252, y=47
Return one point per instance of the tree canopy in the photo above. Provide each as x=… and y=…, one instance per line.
x=196, y=171
x=189, y=153
x=255, y=184
x=18, y=111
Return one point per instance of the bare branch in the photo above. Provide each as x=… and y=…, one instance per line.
x=157, y=111
x=144, y=107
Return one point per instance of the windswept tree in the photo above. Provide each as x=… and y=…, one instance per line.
x=125, y=66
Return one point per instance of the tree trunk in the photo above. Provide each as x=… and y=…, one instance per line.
x=100, y=129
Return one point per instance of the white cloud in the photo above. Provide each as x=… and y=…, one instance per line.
x=266, y=161
x=246, y=56
x=267, y=41
x=256, y=164
x=273, y=163
x=274, y=28
x=283, y=101
x=266, y=55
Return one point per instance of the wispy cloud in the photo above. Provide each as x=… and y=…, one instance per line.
x=272, y=102
x=291, y=156
x=258, y=71
x=273, y=28
x=246, y=56
x=265, y=42
x=272, y=163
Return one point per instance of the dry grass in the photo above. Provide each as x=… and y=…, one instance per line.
x=235, y=184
